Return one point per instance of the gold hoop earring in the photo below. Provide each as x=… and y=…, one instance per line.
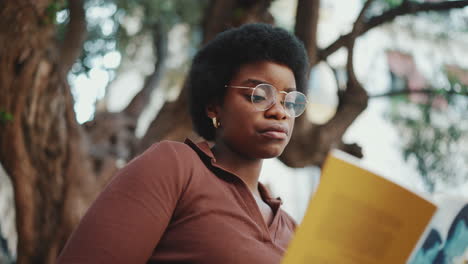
x=216, y=122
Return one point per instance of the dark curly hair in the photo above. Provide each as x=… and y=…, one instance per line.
x=219, y=60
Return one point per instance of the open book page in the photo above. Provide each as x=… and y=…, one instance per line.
x=357, y=216
x=446, y=240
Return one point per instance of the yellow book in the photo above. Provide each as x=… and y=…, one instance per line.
x=359, y=217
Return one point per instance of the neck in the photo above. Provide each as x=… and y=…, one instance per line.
x=246, y=168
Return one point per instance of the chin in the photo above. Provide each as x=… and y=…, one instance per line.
x=271, y=152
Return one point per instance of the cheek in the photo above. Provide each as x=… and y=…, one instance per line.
x=239, y=123
x=291, y=125
x=238, y=113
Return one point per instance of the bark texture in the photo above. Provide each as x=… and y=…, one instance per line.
x=42, y=149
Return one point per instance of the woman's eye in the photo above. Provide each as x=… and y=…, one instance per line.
x=257, y=98
x=248, y=97
x=289, y=105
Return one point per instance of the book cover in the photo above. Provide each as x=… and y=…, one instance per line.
x=358, y=217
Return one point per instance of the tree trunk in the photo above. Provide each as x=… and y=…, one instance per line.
x=307, y=15
x=41, y=147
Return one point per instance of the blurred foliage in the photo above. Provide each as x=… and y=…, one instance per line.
x=380, y=6
x=435, y=134
x=438, y=25
x=385, y=4
x=430, y=25
x=125, y=26
x=121, y=26
x=5, y=117
x=52, y=9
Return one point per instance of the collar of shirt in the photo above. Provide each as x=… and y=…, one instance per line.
x=206, y=155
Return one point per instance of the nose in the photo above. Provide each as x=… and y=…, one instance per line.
x=277, y=110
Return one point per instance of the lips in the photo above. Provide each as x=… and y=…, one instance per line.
x=275, y=131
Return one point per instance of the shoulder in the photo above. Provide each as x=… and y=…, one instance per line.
x=162, y=161
x=170, y=148
x=167, y=154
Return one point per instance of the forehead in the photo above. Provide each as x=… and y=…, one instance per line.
x=273, y=73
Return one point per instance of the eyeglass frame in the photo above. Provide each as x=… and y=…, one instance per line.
x=281, y=92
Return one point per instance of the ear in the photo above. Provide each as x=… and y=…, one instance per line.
x=212, y=110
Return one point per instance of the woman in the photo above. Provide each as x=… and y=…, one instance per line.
x=187, y=203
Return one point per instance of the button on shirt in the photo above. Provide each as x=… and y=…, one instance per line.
x=174, y=204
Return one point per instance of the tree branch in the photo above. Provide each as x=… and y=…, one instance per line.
x=353, y=100
x=358, y=25
x=224, y=14
x=406, y=8
x=252, y=12
x=70, y=48
x=141, y=99
x=307, y=14
x=360, y=19
x=310, y=143
x=427, y=91
x=217, y=17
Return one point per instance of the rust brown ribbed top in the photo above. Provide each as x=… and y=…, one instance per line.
x=174, y=204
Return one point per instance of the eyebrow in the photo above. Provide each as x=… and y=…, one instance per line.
x=257, y=82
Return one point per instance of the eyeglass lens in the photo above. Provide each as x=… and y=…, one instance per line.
x=264, y=96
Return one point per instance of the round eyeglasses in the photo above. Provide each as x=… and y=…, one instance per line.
x=263, y=97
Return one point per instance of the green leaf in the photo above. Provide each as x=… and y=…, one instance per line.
x=5, y=117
